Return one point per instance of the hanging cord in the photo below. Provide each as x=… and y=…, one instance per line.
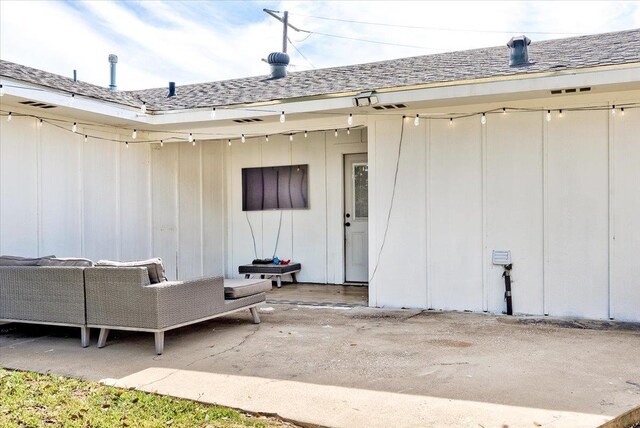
x=255, y=251
x=393, y=197
x=275, y=250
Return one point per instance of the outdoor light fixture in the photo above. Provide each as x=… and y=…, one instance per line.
x=548, y=116
x=266, y=138
x=243, y=139
x=560, y=113
x=134, y=134
x=483, y=119
x=74, y=128
x=365, y=99
x=350, y=119
x=126, y=144
x=305, y=134
x=282, y=118
x=190, y=137
x=450, y=121
x=290, y=137
x=161, y=143
x=40, y=123
x=335, y=133
x=621, y=111
x=86, y=138
x=193, y=143
x=229, y=142
x=416, y=121
x=613, y=110
x=213, y=113
x=348, y=131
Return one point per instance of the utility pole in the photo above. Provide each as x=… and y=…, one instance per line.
x=285, y=26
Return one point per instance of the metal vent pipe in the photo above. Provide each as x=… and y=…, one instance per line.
x=113, y=60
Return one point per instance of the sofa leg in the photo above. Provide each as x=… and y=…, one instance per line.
x=102, y=339
x=84, y=336
x=254, y=314
x=159, y=337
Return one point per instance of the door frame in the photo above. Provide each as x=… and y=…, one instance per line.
x=344, y=235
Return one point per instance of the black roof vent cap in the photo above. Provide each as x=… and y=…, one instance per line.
x=519, y=53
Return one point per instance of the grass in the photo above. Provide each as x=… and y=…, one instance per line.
x=42, y=400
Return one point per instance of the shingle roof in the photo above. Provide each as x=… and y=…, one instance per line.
x=551, y=55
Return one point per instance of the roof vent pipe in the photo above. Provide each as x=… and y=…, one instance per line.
x=278, y=62
x=75, y=75
x=113, y=60
x=172, y=89
x=519, y=52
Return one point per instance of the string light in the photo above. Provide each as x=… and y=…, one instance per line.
x=1, y=91
x=134, y=134
x=305, y=134
x=86, y=138
x=548, y=116
x=126, y=144
x=290, y=137
x=483, y=119
x=229, y=142
x=190, y=137
x=161, y=143
x=74, y=128
x=450, y=121
x=282, y=118
x=9, y=117
x=266, y=138
x=348, y=131
x=350, y=119
x=621, y=111
x=504, y=110
x=243, y=139
x=613, y=110
x=560, y=113
x=194, y=142
x=213, y=113
x=143, y=108
x=72, y=100
x=416, y=121
x=335, y=133
x=40, y=123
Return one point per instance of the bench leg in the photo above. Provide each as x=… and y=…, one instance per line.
x=159, y=337
x=254, y=314
x=279, y=280
x=247, y=276
x=102, y=339
x=84, y=336
x=293, y=278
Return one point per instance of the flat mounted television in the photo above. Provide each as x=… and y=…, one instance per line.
x=275, y=188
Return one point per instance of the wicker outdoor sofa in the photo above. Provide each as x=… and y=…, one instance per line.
x=117, y=298
x=123, y=299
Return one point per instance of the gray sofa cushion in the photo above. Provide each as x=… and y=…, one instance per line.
x=236, y=288
x=21, y=261
x=67, y=261
x=154, y=267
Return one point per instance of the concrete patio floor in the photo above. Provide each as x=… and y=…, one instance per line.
x=365, y=367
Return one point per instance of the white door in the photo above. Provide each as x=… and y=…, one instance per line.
x=356, y=217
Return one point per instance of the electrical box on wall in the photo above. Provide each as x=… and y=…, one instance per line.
x=501, y=257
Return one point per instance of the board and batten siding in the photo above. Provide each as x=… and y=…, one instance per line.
x=563, y=196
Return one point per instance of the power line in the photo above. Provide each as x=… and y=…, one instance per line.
x=301, y=54
x=372, y=41
x=416, y=27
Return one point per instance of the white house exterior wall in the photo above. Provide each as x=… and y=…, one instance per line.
x=563, y=196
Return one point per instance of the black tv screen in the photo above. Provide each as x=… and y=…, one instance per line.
x=275, y=188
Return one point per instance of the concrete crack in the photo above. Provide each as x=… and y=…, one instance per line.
x=242, y=342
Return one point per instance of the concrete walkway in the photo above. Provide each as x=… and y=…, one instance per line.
x=366, y=367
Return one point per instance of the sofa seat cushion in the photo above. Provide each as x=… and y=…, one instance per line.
x=67, y=261
x=154, y=267
x=21, y=261
x=236, y=288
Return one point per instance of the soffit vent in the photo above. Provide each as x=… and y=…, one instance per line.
x=390, y=107
x=570, y=90
x=37, y=104
x=247, y=120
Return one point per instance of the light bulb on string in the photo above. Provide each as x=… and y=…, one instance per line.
x=126, y=144
x=9, y=117
x=213, y=113
x=282, y=118
x=86, y=138
x=143, y=108
x=548, y=116
x=190, y=137
x=621, y=111
x=483, y=119
x=229, y=142
x=613, y=110
x=560, y=113
x=72, y=100
x=305, y=134
x=450, y=121
x=40, y=122
x=1, y=91
x=335, y=134
x=504, y=110
x=290, y=137
x=161, y=143
x=74, y=128
x=416, y=121
x=194, y=142
x=350, y=119
x=134, y=134
x=266, y=138
x=348, y=131
x=243, y=138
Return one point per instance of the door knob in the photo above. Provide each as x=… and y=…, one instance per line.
x=347, y=224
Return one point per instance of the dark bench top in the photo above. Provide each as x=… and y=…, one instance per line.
x=270, y=269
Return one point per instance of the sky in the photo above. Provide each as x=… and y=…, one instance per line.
x=201, y=41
